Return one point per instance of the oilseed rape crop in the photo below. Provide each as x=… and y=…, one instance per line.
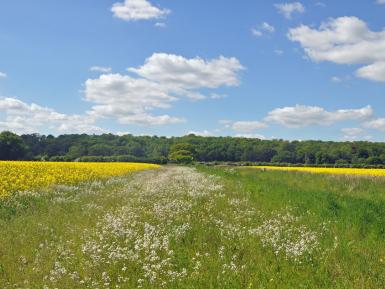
x=26, y=176
x=334, y=171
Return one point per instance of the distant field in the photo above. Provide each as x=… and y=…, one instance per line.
x=333, y=171
x=197, y=227
x=29, y=176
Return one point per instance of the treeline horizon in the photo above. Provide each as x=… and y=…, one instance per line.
x=160, y=149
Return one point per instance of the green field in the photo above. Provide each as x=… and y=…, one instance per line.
x=204, y=227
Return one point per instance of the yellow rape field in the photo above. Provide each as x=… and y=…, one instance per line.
x=334, y=171
x=22, y=176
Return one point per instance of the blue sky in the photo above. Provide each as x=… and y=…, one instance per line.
x=268, y=69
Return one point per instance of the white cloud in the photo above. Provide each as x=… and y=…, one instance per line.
x=21, y=117
x=3, y=75
x=162, y=80
x=128, y=99
x=287, y=9
x=101, y=69
x=267, y=27
x=380, y=1
x=264, y=27
x=377, y=124
x=178, y=72
x=132, y=10
x=247, y=126
x=244, y=128
x=375, y=71
x=354, y=133
x=301, y=115
x=256, y=33
x=345, y=40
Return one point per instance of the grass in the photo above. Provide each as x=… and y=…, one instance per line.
x=353, y=206
x=206, y=228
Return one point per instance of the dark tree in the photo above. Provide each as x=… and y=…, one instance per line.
x=12, y=146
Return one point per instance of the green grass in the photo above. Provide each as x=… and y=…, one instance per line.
x=354, y=207
x=229, y=236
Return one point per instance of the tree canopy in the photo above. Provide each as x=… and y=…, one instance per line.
x=12, y=147
x=108, y=147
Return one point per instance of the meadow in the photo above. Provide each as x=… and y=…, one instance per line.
x=197, y=227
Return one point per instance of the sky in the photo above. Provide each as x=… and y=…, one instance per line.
x=252, y=68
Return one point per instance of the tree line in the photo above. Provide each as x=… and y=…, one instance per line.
x=128, y=148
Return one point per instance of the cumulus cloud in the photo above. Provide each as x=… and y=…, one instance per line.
x=132, y=10
x=21, y=117
x=345, y=40
x=101, y=69
x=301, y=115
x=288, y=9
x=178, y=72
x=128, y=99
x=160, y=81
x=3, y=75
x=375, y=71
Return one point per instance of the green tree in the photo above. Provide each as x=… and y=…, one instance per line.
x=182, y=153
x=12, y=146
x=181, y=157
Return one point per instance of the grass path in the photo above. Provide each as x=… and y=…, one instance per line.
x=180, y=227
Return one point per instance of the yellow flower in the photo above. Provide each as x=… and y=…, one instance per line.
x=335, y=171
x=22, y=176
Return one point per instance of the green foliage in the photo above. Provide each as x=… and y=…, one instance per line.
x=181, y=157
x=182, y=153
x=11, y=146
x=204, y=149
